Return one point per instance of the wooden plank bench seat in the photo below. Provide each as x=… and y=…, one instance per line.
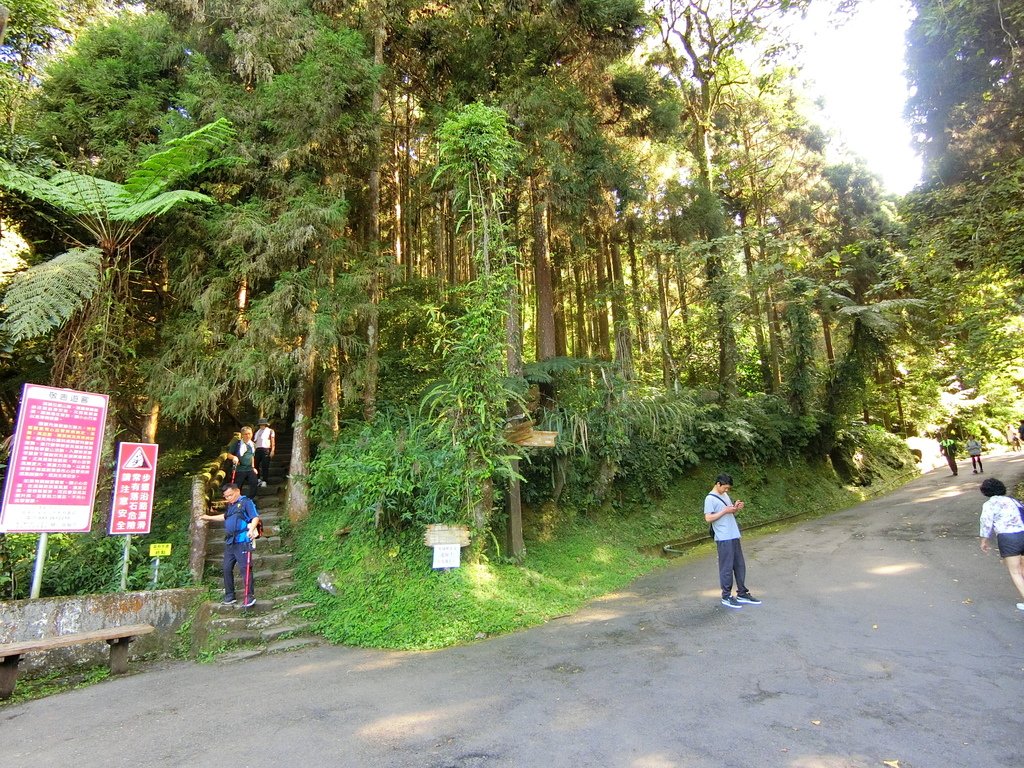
x=117, y=637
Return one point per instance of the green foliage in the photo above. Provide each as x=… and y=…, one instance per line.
x=45, y=297
x=394, y=471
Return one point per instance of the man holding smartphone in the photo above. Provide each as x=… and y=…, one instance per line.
x=720, y=510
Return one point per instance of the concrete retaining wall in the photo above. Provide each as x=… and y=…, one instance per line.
x=167, y=610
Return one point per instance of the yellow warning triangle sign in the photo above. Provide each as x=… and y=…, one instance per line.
x=138, y=460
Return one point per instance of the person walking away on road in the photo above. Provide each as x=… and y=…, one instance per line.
x=720, y=511
x=1001, y=515
x=243, y=456
x=1012, y=438
x=948, y=447
x=974, y=451
x=240, y=521
x=266, y=445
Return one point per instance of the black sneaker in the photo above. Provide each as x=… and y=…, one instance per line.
x=228, y=601
x=747, y=599
x=731, y=602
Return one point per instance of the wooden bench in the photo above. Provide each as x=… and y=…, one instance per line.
x=117, y=637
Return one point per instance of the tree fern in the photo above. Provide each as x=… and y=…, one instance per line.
x=183, y=157
x=44, y=297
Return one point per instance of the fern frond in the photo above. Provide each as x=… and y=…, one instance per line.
x=44, y=297
x=72, y=193
x=183, y=157
x=124, y=210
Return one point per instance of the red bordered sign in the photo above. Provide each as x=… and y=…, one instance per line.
x=51, y=481
x=132, y=508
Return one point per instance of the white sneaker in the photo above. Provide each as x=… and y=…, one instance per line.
x=262, y=483
x=1020, y=606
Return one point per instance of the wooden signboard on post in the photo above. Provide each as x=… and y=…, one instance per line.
x=521, y=433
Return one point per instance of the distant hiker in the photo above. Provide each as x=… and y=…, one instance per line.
x=240, y=522
x=1012, y=438
x=720, y=511
x=1001, y=515
x=266, y=445
x=974, y=451
x=243, y=457
x=948, y=446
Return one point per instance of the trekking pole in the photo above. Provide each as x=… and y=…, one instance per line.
x=248, y=572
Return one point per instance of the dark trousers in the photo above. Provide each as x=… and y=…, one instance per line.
x=730, y=564
x=976, y=463
x=244, y=477
x=263, y=463
x=951, y=460
x=242, y=555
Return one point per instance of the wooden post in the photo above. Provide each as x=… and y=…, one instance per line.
x=514, y=507
x=197, y=531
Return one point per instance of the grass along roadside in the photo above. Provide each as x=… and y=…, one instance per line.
x=386, y=595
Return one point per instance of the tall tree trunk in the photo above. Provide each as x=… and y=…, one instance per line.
x=581, y=345
x=152, y=420
x=545, y=309
x=636, y=280
x=668, y=369
x=297, y=500
x=755, y=311
x=620, y=316
x=600, y=304
x=558, y=287
x=372, y=324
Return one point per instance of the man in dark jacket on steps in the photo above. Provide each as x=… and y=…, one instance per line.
x=240, y=522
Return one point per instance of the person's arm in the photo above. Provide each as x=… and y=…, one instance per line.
x=212, y=518
x=728, y=510
x=252, y=518
x=986, y=527
x=273, y=442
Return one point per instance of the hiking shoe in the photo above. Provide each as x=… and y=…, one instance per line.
x=249, y=603
x=747, y=599
x=731, y=602
x=263, y=483
x=228, y=601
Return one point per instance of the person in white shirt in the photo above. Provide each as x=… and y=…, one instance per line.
x=266, y=446
x=1001, y=515
x=720, y=511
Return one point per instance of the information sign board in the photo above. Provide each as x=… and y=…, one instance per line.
x=51, y=480
x=132, y=507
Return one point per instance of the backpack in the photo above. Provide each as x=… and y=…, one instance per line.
x=1020, y=508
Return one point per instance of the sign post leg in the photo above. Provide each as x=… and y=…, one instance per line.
x=37, y=573
x=124, y=562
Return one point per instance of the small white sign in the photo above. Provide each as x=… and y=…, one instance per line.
x=447, y=555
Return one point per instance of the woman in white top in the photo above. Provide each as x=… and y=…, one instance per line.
x=1001, y=515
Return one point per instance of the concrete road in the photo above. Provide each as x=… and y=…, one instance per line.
x=885, y=635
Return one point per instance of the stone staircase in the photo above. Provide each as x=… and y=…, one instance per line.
x=276, y=622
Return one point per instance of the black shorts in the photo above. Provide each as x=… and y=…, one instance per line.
x=1010, y=544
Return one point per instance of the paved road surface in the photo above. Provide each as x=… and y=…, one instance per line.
x=885, y=635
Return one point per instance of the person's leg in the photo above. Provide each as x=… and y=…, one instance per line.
x=229, y=567
x=980, y=467
x=951, y=460
x=739, y=567
x=1013, y=565
x=725, y=565
x=263, y=463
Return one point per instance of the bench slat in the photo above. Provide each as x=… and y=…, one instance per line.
x=74, y=638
